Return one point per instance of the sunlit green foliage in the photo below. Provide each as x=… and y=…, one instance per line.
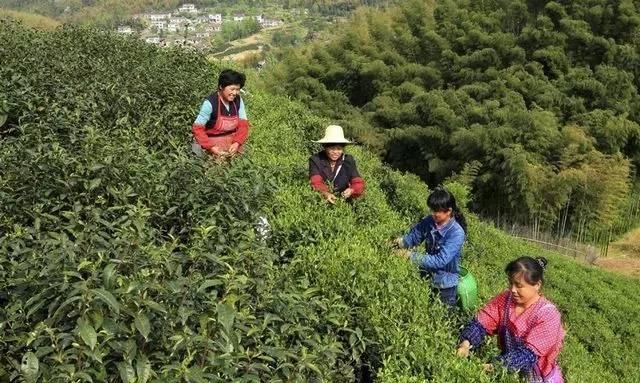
x=124, y=258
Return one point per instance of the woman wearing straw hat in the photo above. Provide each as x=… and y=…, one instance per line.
x=331, y=171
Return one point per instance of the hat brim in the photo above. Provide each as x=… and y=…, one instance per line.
x=329, y=141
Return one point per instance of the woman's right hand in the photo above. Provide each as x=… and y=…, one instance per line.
x=463, y=349
x=233, y=148
x=216, y=151
x=330, y=197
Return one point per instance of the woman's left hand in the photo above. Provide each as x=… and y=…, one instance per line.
x=398, y=243
x=403, y=253
x=488, y=367
x=463, y=349
x=347, y=192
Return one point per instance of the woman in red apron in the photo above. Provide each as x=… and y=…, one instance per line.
x=529, y=326
x=221, y=127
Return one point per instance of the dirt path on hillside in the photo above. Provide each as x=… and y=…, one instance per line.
x=253, y=39
x=256, y=38
x=623, y=255
x=626, y=266
x=242, y=55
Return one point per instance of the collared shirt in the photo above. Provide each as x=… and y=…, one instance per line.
x=443, y=247
x=539, y=327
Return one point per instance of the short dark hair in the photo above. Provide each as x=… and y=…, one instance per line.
x=231, y=77
x=532, y=269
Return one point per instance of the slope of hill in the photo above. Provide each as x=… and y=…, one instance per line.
x=124, y=257
x=536, y=101
x=31, y=19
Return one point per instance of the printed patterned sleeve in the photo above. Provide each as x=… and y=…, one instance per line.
x=490, y=315
x=547, y=332
x=474, y=333
x=519, y=359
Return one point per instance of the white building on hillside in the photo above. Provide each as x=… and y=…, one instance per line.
x=238, y=17
x=179, y=21
x=158, y=24
x=268, y=23
x=172, y=27
x=157, y=16
x=213, y=28
x=125, y=30
x=215, y=18
x=188, y=8
x=179, y=24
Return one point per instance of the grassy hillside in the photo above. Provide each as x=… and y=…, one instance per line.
x=31, y=19
x=125, y=258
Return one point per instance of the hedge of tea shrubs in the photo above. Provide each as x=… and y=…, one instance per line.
x=123, y=257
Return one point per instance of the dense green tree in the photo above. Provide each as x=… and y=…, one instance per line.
x=540, y=95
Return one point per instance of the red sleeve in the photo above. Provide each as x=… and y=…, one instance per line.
x=357, y=184
x=240, y=136
x=318, y=184
x=201, y=137
x=546, y=333
x=491, y=314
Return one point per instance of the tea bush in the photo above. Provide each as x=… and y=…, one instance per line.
x=125, y=258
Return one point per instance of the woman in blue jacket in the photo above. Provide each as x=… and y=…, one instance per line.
x=443, y=233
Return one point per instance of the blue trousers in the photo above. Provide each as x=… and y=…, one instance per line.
x=448, y=296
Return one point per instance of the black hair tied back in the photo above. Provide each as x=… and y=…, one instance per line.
x=543, y=262
x=441, y=199
x=532, y=269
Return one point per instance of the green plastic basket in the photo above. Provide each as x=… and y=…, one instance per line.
x=467, y=290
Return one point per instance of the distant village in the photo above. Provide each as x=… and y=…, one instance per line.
x=188, y=26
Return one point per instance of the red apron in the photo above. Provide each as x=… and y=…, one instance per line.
x=221, y=136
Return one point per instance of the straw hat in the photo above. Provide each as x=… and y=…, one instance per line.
x=333, y=134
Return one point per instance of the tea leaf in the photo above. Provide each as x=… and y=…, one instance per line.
x=87, y=333
x=143, y=325
x=107, y=298
x=143, y=368
x=226, y=316
x=127, y=373
x=30, y=367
